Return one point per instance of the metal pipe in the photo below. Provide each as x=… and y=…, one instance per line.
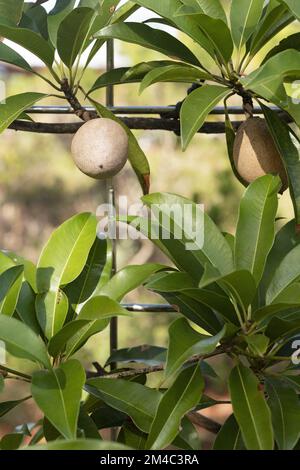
x=146, y=110
x=150, y=308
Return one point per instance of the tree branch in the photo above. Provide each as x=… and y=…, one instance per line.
x=203, y=422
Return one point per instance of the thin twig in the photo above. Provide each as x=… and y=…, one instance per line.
x=6, y=370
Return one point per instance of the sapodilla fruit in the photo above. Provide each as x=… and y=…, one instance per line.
x=255, y=153
x=100, y=148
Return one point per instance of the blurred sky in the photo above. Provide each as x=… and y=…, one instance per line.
x=100, y=60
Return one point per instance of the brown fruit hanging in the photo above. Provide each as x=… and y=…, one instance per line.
x=100, y=148
x=255, y=153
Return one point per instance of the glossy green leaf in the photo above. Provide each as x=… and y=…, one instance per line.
x=61, y=9
x=136, y=155
x=7, y=406
x=66, y=252
x=196, y=108
x=286, y=274
x=185, y=342
x=128, y=279
x=180, y=398
x=146, y=36
x=256, y=225
x=268, y=81
x=15, y=105
x=29, y=267
x=8, y=305
x=9, y=56
x=212, y=8
x=293, y=6
x=98, y=311
x=73, y=33
x=58, y=393
x=187, y=24
x=7, y=280
x=285, y=409
x=133, y=399
x=194, y=231
x=250, y=409
x=276, y=18
x=230, y=436
x=291, y=42
x=58, y=342
x=51, y=310
x=11, y=11
x=257, y=344
x=244, y=16
x=35, y=18
x=288, y=148
x=23, y=342
x=11, y=441
x=80, y=444
x=31, y=41
x=87, y=427
x=95, y=274
x=25, y=307
x=131, y=436
x=278, y=329
x=173, y=73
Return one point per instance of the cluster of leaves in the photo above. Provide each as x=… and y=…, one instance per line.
x=232, y=41
x=59, y=39
x=243, y=291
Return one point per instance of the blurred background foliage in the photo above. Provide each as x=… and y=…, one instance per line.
x=40, y=187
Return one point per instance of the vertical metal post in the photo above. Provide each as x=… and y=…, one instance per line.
x=111, y=192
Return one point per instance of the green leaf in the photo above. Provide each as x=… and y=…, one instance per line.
x=8, y=305
x=180, y=398
x=23, y=341
x=98, y=311
x=256, y=225
x=1, y=383
x=16, y=105
x=276, y=18
x=288, y=148
x=11, y=11
x=87, y=426
x=244, y=16
x=133, y=399
x=187, y=24
x=7, y=281
x=131, y=436
x=285, y=409
x=66, y=252
x=148, y=37
x=58, y=342
x=51, y=310
x=230, y=436
x=80, y=444
x=11, y=441
x=95, y=274
x=56, y=16
x=7, y=406
x=136, y=156
x=58, y=392
x=35, y=18
x=250, y=409
x=128, y=279
x=286, y=274
x=185, y=342
x=31, y=41
x=26, y=307
x=211, y=8
x=293, y=6
x=219, y=36
x=291, y=42
x=268, y=81
x=191, y=228
x=257, y=344
x=196, y=108
x=10, y=56
x=72, y=34
x=173, y=73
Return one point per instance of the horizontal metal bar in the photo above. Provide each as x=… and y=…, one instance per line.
x=147, y=110
x=155, y=308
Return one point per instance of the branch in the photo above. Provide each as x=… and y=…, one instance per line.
x=203, y=422
x=4, y=371
x=150, y=370
x=79, y=110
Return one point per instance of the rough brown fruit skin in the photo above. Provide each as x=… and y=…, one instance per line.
x=100, y=148
x=255, y=153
